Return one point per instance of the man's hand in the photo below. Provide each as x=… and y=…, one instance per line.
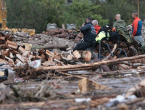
x=83, y=24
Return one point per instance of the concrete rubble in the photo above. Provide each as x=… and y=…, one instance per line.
x=43, y=73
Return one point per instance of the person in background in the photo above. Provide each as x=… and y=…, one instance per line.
x=97, y=27
x=118, y=23
x=89, y=33
x=136, y=28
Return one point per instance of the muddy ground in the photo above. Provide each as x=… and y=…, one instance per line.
x=119, y=86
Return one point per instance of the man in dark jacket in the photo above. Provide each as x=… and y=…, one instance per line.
x=89, y=33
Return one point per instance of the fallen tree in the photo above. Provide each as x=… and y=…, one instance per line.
x=88, y=66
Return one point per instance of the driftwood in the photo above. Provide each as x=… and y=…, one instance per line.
x=88, y=66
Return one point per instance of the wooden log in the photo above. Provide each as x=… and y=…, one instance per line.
x=76, y=54
x=3, y=61
x=11, y=44
x=8, y=37
x=90, y=66
x=9, y=59
x=51, y=54
x=104, y=67
x=5, y=52
x=87, y=55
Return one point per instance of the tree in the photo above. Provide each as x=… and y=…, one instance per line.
x=78, y=11
x=112, y=7
x=109, y=8
x=26, y=14
x=55, y=11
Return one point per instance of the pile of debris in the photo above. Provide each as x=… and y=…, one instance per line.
x=62, y=33
x=43, y=41
x=38, y=57
x=65, y=33
x=20, y=56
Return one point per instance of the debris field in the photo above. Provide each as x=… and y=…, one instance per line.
x=44, y=74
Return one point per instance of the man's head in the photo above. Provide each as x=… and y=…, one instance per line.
x=118, y=16
x=95, y=22
x=89, y=19
x=134, y=15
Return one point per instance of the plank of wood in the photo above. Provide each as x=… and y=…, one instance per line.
x=86, y=85
x=22, y=50
x=11, y=44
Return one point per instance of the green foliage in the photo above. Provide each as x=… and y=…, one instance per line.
x=110, y=8
x=78, y=11
x=55, y=10
x=35, y=14
x=26, y=14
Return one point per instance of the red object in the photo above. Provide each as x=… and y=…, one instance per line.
x=97, y=28
x=136, y=26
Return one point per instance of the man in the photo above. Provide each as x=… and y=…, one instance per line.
x=136, y=28
x=97, y=27
x=119, y=23
x=89, y=33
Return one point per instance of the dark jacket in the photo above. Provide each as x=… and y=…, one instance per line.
x=119, y=23
x=89, y=32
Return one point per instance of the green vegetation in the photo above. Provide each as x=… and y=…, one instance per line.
x=35, y=14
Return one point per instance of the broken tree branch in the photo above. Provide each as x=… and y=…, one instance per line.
x=114, y=48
